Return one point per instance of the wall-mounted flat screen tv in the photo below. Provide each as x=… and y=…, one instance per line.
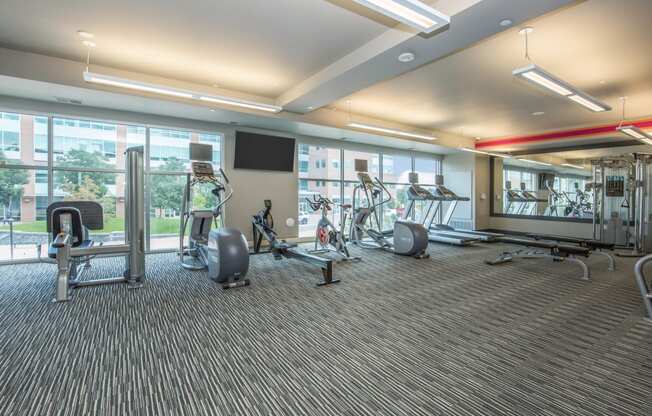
x=262, y=152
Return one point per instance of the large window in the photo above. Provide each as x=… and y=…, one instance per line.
x=328, y=171
x=89, y=164
x=320, y=175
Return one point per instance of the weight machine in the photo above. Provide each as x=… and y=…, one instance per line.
x=621, y=202
x=72, y=249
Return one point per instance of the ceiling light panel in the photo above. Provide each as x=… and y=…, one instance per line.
x=411, y=12
x=570, y=165
x=541, y=78
x=536, y=162
x=390, y=131
x=467, y=149
x=174, y=92
x=635, y=132
x=590, y=103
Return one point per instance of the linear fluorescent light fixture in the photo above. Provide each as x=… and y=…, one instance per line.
x=570, y=165
x=413, y=13
x=175, y=92
x=467, y=149
x=536, y=162
x=542, y=78
x=390, y=131
x=635, y=132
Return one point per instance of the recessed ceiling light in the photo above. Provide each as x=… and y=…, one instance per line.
x=89, y=44
x=84, y=34
x=526, y=30
x=311, y=107
x=538, y=113
x=406, y=57
x=506, y=22
x=211, y=109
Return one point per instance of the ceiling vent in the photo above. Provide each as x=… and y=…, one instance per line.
x=64, y=100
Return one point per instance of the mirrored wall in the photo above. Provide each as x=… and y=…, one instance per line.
x=534, y=188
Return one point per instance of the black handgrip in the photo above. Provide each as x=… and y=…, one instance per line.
x=226, y=179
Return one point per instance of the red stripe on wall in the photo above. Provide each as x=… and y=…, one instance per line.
x=560, y=135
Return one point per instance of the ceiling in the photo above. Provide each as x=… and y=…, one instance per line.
x=253, y=46
x=315, y=56
x=600, y=46
x=588, y=154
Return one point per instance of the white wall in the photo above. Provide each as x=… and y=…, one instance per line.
x=459, y=176
x=481, y=192
x=252, y=187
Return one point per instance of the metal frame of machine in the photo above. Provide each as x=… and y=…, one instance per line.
x=73, y=259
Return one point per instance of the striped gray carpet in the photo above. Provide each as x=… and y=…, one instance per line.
x=398, y=336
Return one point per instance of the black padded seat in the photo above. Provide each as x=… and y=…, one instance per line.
x=574, y=250
x=527, y=242
x=593, y=244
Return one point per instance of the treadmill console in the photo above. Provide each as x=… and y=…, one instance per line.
x=202, y=169
x=365, y=179
x=445, y=192
x=419, y=193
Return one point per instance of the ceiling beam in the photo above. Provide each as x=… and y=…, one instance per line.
x=376, y=61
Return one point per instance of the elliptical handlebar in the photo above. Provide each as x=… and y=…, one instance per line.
x=385, y=190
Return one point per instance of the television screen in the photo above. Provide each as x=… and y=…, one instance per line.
x=262, y=152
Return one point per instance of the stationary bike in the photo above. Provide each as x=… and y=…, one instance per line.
x=223, y=251
x=329, y=239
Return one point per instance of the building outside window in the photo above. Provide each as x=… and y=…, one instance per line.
x=89, y=164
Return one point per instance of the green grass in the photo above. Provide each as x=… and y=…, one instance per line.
x=111, y=224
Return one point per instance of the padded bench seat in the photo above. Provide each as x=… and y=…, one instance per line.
x=593, y=244
x=527, y=242
x=561, y=249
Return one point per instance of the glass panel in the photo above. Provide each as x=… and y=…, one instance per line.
x=349, y=166
x=319, y=162
x=216, y=141
x=396, y=168
x=169, y=149
x=23, y=139
x=427, y=170
x=307, y=217
x=83, y=143
x=165, y=207
x=105, y=188
x=23, y=200
x=394, y=209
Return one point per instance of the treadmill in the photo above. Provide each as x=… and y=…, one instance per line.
x=447, y=195
x=418, y=193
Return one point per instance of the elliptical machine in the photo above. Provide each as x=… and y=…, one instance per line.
x=329, y=239
x=409, y=238
x=223, y=251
